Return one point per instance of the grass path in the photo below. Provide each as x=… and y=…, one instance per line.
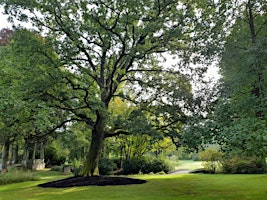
x=158, y=187
x=188, y=164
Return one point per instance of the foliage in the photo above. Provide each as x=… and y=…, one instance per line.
x=145, y=166
x=57, y=168
x=100, y=46
x=26, y=117
x=237, y=117
x=106, y=166
x=244, y=165
x=16, y=176
x=241, y=114
x=55, y=154
x=212, y=159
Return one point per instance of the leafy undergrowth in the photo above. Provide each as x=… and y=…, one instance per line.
x=16, y=176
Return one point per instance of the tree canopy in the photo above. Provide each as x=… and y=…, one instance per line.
x=238, y=118
x=92, y=52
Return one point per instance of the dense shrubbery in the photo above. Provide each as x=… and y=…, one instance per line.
x=247, y=165
x=133, y=166
x=214, y=162
x=106, y=166
x=52, y=157
x=16, y=176
x=145, y=166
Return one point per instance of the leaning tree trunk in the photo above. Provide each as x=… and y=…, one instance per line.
x=90, y=167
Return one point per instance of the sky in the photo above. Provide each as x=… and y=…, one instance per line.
x=3, y=20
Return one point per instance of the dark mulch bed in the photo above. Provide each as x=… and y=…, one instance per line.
x=94, y=180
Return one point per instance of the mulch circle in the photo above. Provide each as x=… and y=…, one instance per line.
x=91, y=180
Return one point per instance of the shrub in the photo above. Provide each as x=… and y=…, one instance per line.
x=16, y=176
x=53, y=157
x=132, y=166
x=248, y=165
x=212, y=159
x=145, y=166
x=106, y=166
x=57, y=168
x=156, y=166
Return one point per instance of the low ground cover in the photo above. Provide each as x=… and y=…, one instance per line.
x=158, y=187
x=16, y=176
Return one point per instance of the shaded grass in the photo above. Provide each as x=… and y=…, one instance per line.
x=163, y=187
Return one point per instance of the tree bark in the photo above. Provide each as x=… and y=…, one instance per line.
x=34, y=151
x=15, y=153
x=91, y=163
x=5, y=156
x=42, y=151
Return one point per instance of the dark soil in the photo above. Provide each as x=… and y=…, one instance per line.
x=94, y=180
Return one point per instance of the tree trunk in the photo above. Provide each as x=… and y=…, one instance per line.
x=15, y=154
x=25, y=156
x=91, y=163
x=5, y=156
x=34, y=151
x=42, y=151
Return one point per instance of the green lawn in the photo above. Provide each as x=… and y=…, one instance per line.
x=158, y=187
x=188, y=164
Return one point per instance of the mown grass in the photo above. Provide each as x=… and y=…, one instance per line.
x=158, y=187
x=188, y=164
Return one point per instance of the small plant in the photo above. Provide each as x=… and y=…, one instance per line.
x=211, y=159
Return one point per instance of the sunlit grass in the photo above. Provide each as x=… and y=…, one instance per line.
x=158, y=187
x=188, y=164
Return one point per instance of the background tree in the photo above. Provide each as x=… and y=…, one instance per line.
x=25, y=115
x=238, y=122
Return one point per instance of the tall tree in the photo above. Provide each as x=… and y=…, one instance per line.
x=238, y=122
x=103, y=44
x=24, y=117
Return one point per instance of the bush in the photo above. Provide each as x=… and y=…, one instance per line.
x=145, y=166
x=248, y=165
x=132, y=166
x=156, y=166
x=16, y=176
x=57, y=168
x=53, y=157
x=212, y=159
x=106, y=166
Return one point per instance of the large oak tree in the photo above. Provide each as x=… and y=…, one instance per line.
x=104, y=45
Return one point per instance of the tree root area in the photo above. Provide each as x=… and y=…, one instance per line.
x=91, y=181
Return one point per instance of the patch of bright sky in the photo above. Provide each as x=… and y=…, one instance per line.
x=3, y=20
x=5, y=24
